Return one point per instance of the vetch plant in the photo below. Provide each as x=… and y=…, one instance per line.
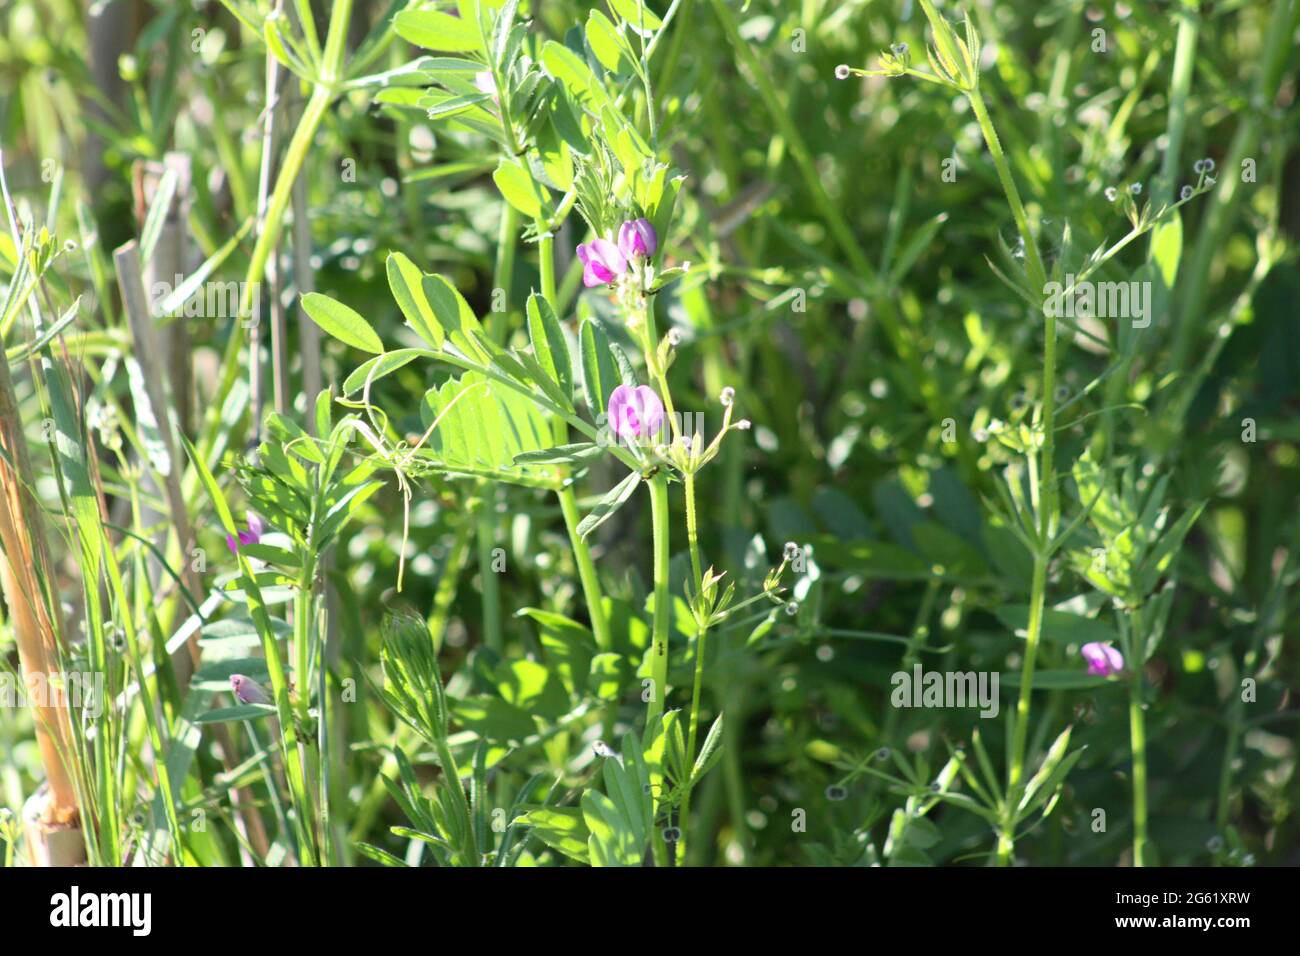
x=366, y=434
x=1035, y=517
x=527, y=382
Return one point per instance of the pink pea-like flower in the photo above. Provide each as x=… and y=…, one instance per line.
x=252, y=536
x=635, y=411
x=247, y=690
x=602, y=263
x=1103, y=660
x=637, y=237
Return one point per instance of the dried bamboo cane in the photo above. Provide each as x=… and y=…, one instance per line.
x=52, y=819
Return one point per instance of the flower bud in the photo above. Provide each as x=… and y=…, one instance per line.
x=1103, y=660
x=637, y=239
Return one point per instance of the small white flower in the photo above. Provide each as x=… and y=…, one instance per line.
x=727, y=397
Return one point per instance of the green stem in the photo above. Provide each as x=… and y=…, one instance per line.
x=683, y=819
x=1137, y=734
x=321, y=97
x=1137, y=738
x=692, y=536
x=587, y=575
x=490, y=586
x=1184, y=63
x=692, y=531
x=266, y=240
x=659, y=515
x=1034, y=264
x=302, y=602
x=504, y=272
x=1006, y=846
x=659, y=636
x=546, y=264
x=1045, y=487
x=1037, y=596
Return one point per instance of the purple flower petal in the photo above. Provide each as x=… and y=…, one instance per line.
x=637, y=237
x=1103, y=659
x=602, y=262
x=635, y=412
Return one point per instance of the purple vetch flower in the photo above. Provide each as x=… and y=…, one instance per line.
x=635, y=411
x=602, y=263
x=1103, y=660
x=252, y=536
x=637, y=237
x=248, y=691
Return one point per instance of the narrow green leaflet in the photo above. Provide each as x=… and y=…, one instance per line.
x=613, y=500
x=518, y=188
x=407, y=284
x=549, y=345
x=435, y=30
x=599, y=371
x=342, y=322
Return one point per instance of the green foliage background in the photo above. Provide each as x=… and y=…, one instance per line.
x=852, y=276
